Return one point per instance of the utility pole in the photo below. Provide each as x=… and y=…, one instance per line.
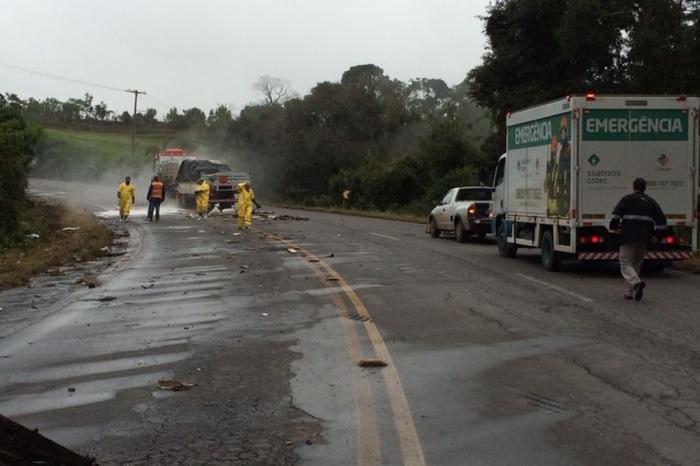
x=133, y=121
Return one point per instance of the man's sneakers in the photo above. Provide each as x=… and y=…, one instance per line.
x=638, y=290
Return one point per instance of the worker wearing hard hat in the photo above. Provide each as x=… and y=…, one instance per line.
x=201, y=193
x=127, y=196
x=244, y=206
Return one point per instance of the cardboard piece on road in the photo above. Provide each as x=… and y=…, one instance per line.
x=174, y=385
x=371, y=362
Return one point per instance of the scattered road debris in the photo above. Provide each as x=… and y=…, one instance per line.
x=105, y=299
x=332, y=279
x=89, y=281
x=265, y=314
x=331, y=255
x=174, y=385
x=70, y=229
x=71, y=389
x=236, y=234
x=33, y=236
x=371, y=362
x=292, y=251
x=150, y=285
x=244, y=267
x=291, y=217
x=314, y=260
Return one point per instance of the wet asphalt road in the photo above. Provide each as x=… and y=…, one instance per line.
x=492, y=361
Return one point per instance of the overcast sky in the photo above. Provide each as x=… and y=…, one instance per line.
x=202, y=53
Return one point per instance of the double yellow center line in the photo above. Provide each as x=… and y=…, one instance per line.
x=368, y=444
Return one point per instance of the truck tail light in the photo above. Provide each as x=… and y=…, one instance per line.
x=592, y=239
x=590, y=96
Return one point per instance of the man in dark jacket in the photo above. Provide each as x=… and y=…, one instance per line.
x=635, y=218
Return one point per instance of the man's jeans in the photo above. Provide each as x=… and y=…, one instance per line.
x=154, y=204
x=631, y=258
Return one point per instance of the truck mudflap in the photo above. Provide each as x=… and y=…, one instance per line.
x=650, y=255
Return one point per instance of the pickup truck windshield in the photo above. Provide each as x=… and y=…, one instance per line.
x=474, y=194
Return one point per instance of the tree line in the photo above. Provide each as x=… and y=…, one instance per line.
x=539, y=50
x=393, y=144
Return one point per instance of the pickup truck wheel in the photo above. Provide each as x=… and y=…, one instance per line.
x=460, y=232
x=550, y=258
x=434, y=230
x=505, y=249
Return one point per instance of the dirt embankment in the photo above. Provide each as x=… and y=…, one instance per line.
x=60, y=236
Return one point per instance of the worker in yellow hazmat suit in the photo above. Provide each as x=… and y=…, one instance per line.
x=201, y=193
x=244, y=206
x=127, y=196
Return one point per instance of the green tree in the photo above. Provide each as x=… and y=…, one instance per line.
x=539, y=50
x=17, y=142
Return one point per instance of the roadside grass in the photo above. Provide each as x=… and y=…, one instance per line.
x=107, y=144
x=387, y=215
x=86, y=154
x=54, y=247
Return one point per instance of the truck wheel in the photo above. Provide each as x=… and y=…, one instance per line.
x=460, y=232
x=505, y=249
x=434, y=230
x=550, y=258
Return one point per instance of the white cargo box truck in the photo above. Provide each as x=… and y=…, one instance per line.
x=568, y=163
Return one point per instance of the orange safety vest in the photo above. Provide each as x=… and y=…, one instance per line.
x=156, y=190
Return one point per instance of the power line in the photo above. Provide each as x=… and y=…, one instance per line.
x=62, y=78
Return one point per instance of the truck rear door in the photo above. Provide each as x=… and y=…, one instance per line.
x=622, y=139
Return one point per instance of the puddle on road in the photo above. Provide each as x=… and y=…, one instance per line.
x=85, y=393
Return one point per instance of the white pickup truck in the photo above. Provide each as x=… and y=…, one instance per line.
x=464, y=211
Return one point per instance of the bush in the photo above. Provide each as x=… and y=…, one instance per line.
x=17, y=142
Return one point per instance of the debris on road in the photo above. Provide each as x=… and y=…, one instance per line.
x=332, y=279
x=291, y=217
x=236, y=234
x=244, y=267
x=265, y=314
x=331, y=255
x=33, y=236
x=174, y=385
x=314, y=260
x=105, y=299
x=70, y=229
x=89, y=281
x=292, y=251
x=146, y=287
x=371, y=362
x=71, y=389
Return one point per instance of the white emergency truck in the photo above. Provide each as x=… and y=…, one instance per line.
x=568, y=163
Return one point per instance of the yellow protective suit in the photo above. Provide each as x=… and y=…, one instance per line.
x=201, y=193
x=244, y=206
x=126, y=194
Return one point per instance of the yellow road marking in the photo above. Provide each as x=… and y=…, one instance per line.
x=369, y=451
x=409, y=441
